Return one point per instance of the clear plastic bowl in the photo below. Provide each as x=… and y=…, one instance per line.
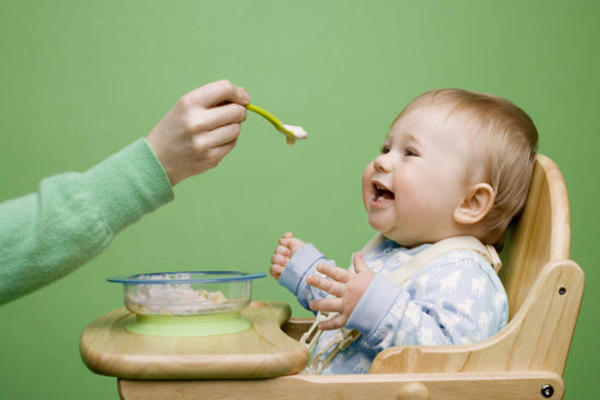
x=187, y=293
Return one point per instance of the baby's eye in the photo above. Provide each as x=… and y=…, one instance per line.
x=409, y=152
x=385, y=149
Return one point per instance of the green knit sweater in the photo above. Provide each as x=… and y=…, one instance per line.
x=74, y=216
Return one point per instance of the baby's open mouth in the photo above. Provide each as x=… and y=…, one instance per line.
x=380, y=191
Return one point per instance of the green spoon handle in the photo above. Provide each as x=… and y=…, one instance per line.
x=271, y=118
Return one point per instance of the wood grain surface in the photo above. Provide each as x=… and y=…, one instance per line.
x=488, y=386
x=262, y=351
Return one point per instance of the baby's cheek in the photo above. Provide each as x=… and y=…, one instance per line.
x=409, y=187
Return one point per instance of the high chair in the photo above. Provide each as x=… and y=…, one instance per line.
x=523, y=361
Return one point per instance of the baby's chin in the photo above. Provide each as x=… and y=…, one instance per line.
x=381, y=230
x=403, y=240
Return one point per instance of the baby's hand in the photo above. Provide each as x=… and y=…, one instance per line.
x=287, y=247
x=347, y=287
x=200, y=130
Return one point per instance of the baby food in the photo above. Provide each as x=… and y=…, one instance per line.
x=175, y=299
x=298, y=132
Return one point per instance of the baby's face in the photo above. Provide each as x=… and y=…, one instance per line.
x=412, y=188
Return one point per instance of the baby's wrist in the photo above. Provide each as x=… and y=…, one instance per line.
x=376, y=302
x=296, y=249
x=299, y=265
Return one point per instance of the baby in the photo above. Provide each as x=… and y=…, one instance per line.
x=455, y=164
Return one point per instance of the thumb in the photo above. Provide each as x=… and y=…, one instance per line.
x=360, y=265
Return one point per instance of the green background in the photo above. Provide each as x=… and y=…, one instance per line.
x=80, y=80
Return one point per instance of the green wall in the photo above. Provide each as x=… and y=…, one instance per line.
x=80, y=80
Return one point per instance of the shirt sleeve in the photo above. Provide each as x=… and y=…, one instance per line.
x=456, y=299
x=302, y=264
x=74, y=216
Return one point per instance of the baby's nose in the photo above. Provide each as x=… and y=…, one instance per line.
x=382, y=163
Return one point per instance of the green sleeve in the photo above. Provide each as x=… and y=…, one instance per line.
x=74, y=216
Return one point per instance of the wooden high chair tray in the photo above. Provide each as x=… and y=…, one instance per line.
x=263, y=351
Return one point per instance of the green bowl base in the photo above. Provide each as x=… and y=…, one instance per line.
x=195, y=325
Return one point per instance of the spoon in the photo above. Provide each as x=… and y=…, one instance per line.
x=291, y=132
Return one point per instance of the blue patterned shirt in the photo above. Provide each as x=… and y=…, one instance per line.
x=455, y=299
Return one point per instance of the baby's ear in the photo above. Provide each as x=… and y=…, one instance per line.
x=478, y=203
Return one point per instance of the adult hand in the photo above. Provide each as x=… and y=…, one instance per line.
x=200, y=130
x=287, y=246
x=347, y=287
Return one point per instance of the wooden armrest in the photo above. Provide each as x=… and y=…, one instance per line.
x=296, y=327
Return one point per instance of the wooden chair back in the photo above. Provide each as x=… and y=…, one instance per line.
x=541, y=234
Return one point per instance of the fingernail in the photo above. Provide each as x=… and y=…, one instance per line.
x=245, y=95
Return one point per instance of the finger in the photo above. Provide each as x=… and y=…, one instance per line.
x=219, y=116
x=218, y=92
x=279, y=259
x=245, y=96
x=217, y=137
x=337, y=322
x=333, y=304
x=360, y=265
x=288, y=235
x=336, y=273
x=287, y=242
x=284, y=251
x=218, y=153
x=276, y=271
x=327, y=285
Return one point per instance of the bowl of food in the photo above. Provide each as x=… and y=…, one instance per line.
x=169, y=300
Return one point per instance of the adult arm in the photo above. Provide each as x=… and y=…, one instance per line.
x=74, y=216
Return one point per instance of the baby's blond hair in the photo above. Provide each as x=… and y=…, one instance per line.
x=503, y=144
